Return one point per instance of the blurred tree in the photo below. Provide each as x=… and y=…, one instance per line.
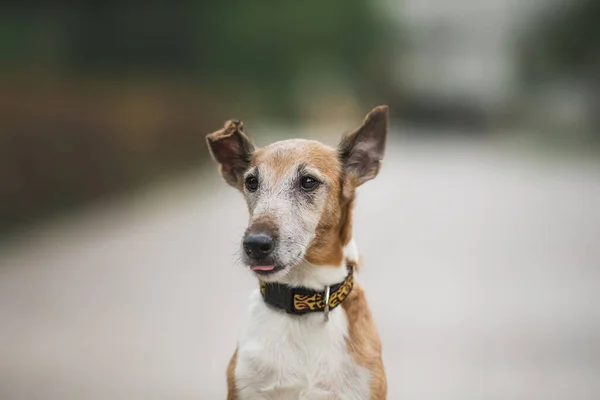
x=100, y=96
x=563, y=46
x=564, y=41
x=259, y=45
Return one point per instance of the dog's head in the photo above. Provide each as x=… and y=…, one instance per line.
x=299, y=192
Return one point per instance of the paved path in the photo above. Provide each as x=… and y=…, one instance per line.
x=482, y=267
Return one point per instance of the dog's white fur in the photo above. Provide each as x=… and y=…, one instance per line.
x=282, y=356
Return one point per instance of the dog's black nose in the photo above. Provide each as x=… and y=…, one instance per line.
x=257, y=245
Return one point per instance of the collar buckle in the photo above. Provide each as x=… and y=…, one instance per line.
x=326, y=310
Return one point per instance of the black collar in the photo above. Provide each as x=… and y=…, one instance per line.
x=300, y=300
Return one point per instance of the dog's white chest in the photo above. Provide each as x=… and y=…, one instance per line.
x=289, y=357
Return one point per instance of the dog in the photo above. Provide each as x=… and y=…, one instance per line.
x=309, y=332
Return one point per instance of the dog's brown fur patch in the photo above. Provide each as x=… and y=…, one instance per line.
x=265, y=224
x=231, y=387
x=363, y=342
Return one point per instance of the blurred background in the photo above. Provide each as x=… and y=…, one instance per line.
x=481, y=236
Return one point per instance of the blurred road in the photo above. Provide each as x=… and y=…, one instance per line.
x=482, y=266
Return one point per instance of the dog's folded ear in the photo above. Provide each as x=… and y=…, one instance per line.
x=232, y=149
x=362, y=150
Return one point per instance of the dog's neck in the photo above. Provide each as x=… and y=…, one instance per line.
x=316, y=277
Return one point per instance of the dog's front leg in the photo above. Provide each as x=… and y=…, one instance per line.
x=231, y=384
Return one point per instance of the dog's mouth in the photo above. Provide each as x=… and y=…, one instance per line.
x=271, y=266
x=265, y=269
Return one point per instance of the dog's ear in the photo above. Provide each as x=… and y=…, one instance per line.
x=232, y=149
x=362, y=151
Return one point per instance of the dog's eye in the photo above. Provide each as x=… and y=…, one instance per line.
x=251, y=183
x=309, y=183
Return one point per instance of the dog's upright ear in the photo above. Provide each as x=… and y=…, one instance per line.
x=232, y=149
x=362, y=150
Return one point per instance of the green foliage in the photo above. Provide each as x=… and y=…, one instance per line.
x=564, y=42
x=106, y=96
x=260, y=45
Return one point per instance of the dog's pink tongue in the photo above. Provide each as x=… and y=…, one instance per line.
x=262, y=267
